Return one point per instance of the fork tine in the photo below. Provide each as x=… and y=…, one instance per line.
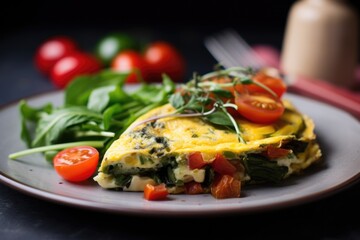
x=232, y=50
x=219, y=52
x=245, y=53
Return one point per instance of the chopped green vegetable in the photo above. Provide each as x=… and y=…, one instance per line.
x=261, y=169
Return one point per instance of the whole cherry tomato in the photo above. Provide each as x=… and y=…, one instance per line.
x=112, y=44
x=128, y=61
x=162, y=57
x=75, y=64
x=51, y=51
x=77, y=163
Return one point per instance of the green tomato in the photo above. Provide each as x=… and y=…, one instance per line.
x=109, y=46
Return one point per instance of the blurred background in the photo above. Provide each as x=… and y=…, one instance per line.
x=183, y=23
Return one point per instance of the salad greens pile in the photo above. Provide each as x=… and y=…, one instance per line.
x=96, y=110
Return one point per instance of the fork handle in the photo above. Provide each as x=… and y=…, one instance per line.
x=327, y=92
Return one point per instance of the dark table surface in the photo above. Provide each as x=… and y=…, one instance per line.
x=26, y=217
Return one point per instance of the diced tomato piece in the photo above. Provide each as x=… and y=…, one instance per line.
x=274, y=152
x=195, y=160
x=225, y=186
x=158, y=192
x=193, y=188
x=222, y=166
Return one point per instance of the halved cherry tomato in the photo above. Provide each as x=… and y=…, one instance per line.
x=195, y=160
x=162, y=57
x=222, y=166
x=53, y=50
x=193, y=188
x=259, y=108
x=76, y=164
x=158, y=192
x=275, y=84
x=225, y=186
x=71, y=66
x=273, y=152
x=130, y=60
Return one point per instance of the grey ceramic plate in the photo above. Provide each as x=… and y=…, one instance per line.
x=338, y=133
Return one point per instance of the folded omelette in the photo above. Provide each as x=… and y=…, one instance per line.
x=160, y=151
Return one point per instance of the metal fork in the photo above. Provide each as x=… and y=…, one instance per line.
x=230, y=50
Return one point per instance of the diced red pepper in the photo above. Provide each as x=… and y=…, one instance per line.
x=222, y=166
x=195, y=160
x=158, y=192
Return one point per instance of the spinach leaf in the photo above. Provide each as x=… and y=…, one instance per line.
x=30, y=114
x=222, y=93
x=261, y=169
x=176, y=100
x=100, y=98
x=108, y=114
x=78, y=91
x=219, y=118
x=151, y=93
x=51, y=126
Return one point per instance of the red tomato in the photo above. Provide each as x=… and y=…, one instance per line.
x=225, y=186
x=76, y=164
x=275, y=84
x=75, y=64
x=222, y=166
x=195, y=160
x=162, y=57
x=259, y=108
x=158, y=192
x=51, y=51
x=130, y=60
x=193, y=188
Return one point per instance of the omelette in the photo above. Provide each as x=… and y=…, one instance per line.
x=162, y=152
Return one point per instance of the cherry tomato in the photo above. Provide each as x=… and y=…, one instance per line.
x=162, y=57
x=259, y=108
x=195, y=160
x=76, y=164
x=75, y=64
x=129, y=60
x=222, y=166
x=225, y=186
x=275, y=84
x=109, y=46
x=158, y=192
x=51, y=51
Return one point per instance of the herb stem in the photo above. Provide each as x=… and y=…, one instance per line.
x=236, y=126
x=94, y=133
x=96, y=144
x=176, y=114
